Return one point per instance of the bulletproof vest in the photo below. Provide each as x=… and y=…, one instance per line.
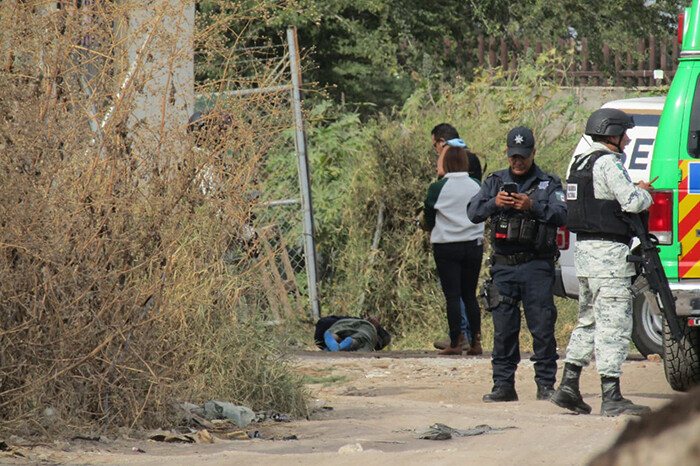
x=521, y=228
x=586, y=214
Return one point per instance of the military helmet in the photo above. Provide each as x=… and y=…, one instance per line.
x=608, y=122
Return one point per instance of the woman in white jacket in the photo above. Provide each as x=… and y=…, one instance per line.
x=457, y=245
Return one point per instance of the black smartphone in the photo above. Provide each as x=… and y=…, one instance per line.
x=510, y=188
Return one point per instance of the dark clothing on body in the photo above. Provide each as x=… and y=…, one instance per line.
x=523, y=271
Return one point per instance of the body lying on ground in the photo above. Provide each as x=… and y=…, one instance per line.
x=344, y=333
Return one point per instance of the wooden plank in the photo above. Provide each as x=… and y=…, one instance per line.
x=652, y=58
x=480, y=52
x=674, y=54
x=514, y=55
x=640, y=61
x=504, y=55
x=584, y=61
x=628, y=64
x=662, y=59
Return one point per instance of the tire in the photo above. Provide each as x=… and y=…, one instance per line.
x=647, y=328
x=682, y=359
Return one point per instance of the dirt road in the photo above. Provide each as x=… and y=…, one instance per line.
x=380, y=403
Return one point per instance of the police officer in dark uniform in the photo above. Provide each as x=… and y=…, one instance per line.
x=525, y=205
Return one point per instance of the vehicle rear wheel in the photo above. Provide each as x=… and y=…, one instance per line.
x=647, y=329
x=682, y=358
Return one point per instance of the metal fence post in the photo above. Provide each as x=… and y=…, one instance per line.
x=304, y=178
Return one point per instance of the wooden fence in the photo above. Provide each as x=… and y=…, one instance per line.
x=607, y=68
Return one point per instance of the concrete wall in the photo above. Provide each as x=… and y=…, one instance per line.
x=160, y=54
x=591, y=98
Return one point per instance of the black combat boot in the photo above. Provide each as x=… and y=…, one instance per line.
x=568, y=395
x=613, y=402
x=500, y=394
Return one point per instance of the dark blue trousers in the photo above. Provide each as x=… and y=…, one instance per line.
x=531, y=283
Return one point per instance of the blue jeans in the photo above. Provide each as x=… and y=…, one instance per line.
x=465, y=321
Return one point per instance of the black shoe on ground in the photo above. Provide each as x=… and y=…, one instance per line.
x=544, y=392
x=568, y=395
x=500, y=394
x=610, y=408
x=613, y=402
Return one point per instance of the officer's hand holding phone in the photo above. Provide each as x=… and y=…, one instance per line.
x=509, y=197
x=521, y=202
x=505, y=197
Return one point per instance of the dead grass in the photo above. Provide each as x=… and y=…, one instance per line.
x=124, y=285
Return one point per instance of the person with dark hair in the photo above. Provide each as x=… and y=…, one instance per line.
x=443, y=136
x=457, y=245
x=343, y=333
x=525, y=206
x=445, y=132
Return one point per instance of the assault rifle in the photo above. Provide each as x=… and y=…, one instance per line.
x=653, y=271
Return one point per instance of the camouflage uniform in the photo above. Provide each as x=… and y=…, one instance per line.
x=605, y=299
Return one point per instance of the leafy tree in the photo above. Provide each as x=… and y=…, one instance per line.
x=377, y=51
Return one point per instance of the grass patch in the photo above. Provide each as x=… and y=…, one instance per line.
x=309, y=379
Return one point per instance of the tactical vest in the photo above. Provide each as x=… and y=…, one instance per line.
x=586, y=214
x=516, y=227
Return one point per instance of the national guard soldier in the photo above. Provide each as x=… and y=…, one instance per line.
x=525, y=205
x=599, y=190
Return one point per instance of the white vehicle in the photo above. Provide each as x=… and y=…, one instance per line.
x=647, y=332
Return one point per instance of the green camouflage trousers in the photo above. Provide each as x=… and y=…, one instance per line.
x=604, y=324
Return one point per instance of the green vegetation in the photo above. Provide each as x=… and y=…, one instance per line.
x=376, y=53
x=325, y=380
x=125, y=286
x=385, y=165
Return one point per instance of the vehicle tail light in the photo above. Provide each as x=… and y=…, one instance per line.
x=563, y=238
x=681, y=18
x=661, y=216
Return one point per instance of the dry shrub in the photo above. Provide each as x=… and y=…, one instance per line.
x=130, y=277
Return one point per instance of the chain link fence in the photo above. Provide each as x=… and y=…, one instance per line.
x=279, y=191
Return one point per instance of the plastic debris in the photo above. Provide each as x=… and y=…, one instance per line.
x=203, y=436
x=171, y=438
x=350, y=448
x=235, y=435
x=439, y=431
x=240, y=415
x=280, y=418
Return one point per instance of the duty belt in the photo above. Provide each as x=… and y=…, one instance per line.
x=517, y=258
